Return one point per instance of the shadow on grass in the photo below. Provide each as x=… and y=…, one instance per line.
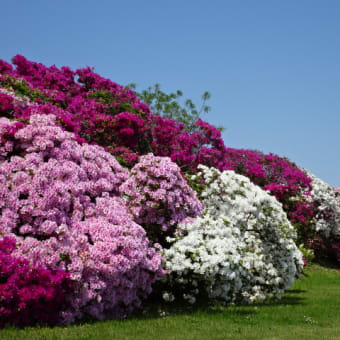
x=286, y=300
x=296, y=291
x=156, y=310
x=328, y=263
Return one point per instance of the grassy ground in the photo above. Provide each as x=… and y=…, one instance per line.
x=310, y=310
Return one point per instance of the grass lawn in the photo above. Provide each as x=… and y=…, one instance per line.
x=309, y=310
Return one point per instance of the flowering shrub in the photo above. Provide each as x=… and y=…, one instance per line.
x=158, y=196
x=100, y=111
x=60, y=201
x=29, y=295
x=282, y=178
x=241, y=249
x=327, y=217
x=324, y=233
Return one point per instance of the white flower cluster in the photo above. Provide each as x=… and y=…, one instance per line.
x=241, y=250
x=327, y=219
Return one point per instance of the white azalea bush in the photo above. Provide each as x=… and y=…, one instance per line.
x=327, y=207
x=242, y=248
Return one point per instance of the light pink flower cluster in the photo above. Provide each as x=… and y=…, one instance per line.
x=159, y=197
x=16, y=100
x=60, y=201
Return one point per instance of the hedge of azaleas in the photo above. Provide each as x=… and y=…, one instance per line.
x=99, y=111
x=99, y=199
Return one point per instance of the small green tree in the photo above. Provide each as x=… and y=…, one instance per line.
x=169, y=106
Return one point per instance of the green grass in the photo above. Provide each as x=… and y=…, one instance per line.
x=309, y=310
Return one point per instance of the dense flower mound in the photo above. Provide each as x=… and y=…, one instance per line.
x=324, y=234
x=327, y=217
x=60, y=201
x=100, y=111
x=282, y=178
x=29, y=295
x=159, y=197
x=242, y=249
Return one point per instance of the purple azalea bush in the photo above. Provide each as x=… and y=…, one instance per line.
x=60, y=202
x=159, y=197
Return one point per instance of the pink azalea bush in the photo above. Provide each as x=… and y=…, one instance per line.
x=159, y=197
x=29, y=295
x=60, y=201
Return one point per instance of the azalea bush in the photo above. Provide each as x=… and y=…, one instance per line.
x=60, y=201
x=242, y=249
x=327, y=217
x=29, y=295
x=100, y=111
x=325, y=235
x=282, y=178
x=159, y=197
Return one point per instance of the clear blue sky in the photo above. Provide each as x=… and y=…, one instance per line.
x=272, y=67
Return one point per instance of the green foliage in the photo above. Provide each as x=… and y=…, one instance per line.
x=21, y=89
x=169, y=106
x=308, y=254
x=196, y=183
x=103, y=97
x=114, y=108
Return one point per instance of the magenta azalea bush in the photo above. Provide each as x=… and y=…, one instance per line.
x=100, y=111
x=159, y=197
x=60, y=201
x=29, y=295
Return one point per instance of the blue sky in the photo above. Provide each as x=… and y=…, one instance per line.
x=271, y=66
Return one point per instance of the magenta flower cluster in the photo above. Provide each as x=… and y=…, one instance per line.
x=159, y=197
x=6, y=104
x=29, y=295
x=60, y=201
x=100, y=111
